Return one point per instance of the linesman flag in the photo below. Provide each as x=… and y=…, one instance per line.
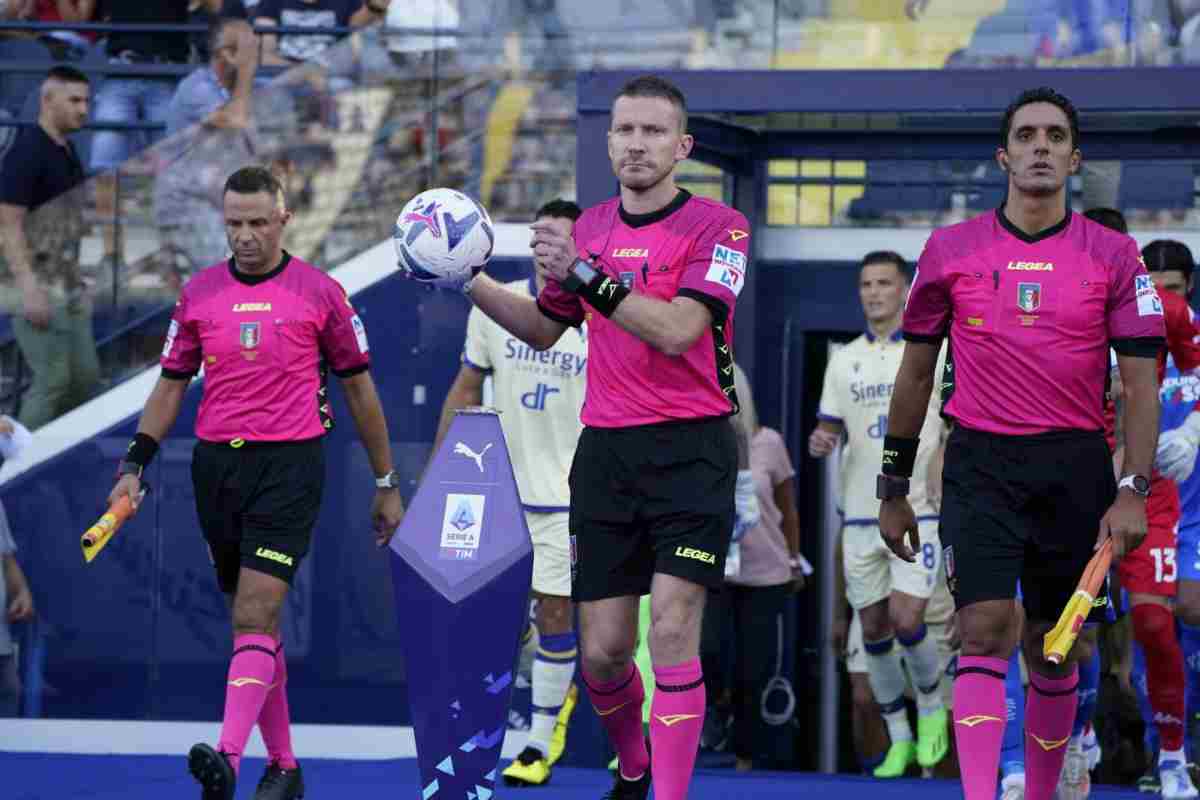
x=1058, y=642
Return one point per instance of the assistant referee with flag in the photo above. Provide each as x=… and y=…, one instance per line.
x=1031, y=296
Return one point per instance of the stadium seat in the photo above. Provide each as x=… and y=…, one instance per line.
x=1157, y=185
x=899, y=187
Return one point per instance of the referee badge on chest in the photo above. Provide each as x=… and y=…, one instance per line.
x=250, y=334
x=1029, y=296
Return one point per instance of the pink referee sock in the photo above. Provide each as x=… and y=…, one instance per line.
x=676, y=717
x=619, y=705
x=274, y=721
x=979, y=719
x=1049, y=716
x=251, y=670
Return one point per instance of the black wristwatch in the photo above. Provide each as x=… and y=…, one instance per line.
x=889, y=487
x=579, y=275
x=389, y=481
x=1138, y=484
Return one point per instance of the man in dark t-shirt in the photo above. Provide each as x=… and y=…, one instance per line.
x=41, y=222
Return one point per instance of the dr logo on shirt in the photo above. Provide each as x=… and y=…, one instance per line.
x=536, y=399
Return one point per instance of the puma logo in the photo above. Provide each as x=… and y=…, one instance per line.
x=671, y=719
x=462, y=450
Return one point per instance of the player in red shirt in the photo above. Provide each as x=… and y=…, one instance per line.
x=1032, y=298
x=1148, y=573
x=265, y=326
x=656, y=272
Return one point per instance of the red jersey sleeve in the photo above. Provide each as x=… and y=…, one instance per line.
x=928, y=309
x=1135, y=311
x=1181, y=332
x=181, y=350
x=343, y=337
x=715, y=271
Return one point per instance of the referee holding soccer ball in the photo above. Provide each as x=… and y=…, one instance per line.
x=656, y=275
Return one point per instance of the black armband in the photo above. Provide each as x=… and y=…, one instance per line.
x=899, y=456
x=138, y=456
x=600, y=291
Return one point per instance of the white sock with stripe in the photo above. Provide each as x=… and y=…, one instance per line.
x=553, y=670
x=885, y=672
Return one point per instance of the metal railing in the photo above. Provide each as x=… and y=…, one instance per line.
x=417, y=105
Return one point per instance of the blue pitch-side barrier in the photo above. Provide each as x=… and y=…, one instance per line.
x=462, y=563
x=142, y=632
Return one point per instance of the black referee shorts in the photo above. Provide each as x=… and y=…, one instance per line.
x=647, y=499
x=1023, y=507
x=258, y=504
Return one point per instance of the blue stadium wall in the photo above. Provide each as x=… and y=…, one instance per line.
x=142, y=632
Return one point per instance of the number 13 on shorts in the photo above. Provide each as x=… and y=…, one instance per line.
x=1164, y=564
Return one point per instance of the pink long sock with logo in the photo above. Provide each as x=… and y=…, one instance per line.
x=979, y=719
x=1049, y=714
x=619, y=705
x=676, y=717
x=274, y=721
x=251, y=671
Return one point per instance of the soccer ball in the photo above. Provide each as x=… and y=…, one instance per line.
x=443, y=237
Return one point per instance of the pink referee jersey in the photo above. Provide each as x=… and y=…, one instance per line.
x=694, y=247
x=1031, y=319
x=264, y=342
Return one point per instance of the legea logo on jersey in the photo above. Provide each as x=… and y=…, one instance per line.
x=536, y=400
x=462, y=527
x=631, y=252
